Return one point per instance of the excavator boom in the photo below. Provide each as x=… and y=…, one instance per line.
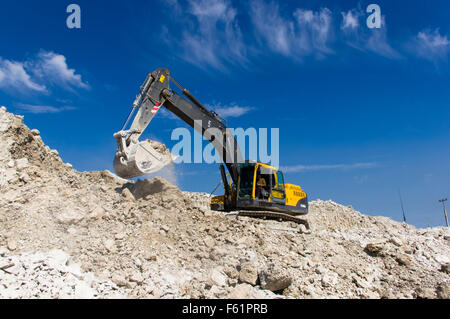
x=136, y=158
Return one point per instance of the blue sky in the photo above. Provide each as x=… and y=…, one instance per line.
x=362, y=112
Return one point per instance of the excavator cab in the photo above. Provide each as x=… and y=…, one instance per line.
x=261, y=187
x=260, y=181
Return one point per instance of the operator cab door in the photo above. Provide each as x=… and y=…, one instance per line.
x=278, y=192
x=269, y=185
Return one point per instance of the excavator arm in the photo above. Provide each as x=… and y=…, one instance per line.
x=136, y=158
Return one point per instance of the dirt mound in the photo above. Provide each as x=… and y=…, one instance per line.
x=150, y=240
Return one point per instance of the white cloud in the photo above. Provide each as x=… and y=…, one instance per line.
x=378, y=43
x=430, y=45
x=270, y=26
x=14, y=76
x=212, y=34
x=40, y=109
x=53, y=68
x=230, y=111
x=308, y=33
x=350, y=20
x=365, y=39
x=37, y=74
x=303, y=168
x=163, y=112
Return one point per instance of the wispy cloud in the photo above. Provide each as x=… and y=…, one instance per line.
x=232, y=110
x=361, y=179
x=350, y=20
x=303, y=168
x=47, y=69
x=219, y=33
x=306, y=33
x=212, y=35
x=52, y=67
x=365, y=39
x=14, y=76
x=430, y=45
x=41, y=109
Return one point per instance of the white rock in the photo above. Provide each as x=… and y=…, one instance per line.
x=54, y=152
x=217, y=277
x=83, y=291
x=22, y=163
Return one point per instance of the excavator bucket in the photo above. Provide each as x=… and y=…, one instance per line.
x=133, y=157
x=142, y=158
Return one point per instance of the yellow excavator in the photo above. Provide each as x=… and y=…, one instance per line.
x=255, y=189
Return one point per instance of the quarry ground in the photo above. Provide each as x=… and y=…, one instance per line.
x=70, y=234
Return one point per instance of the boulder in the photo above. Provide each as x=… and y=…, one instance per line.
x=248, y=274
x=274, y=278
x=242, y=291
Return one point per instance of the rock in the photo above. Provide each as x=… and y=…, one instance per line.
x=396, y=241
x=302, y=229
x=126, y=193
x=54, y=152
x=110, y=245
x=248, y=274
x=377, y=248
x=11, y=244
x=443, y=291
x=97, y=213
x=425, y=293
x=329, y=280
x=120, y=236
x=320, y=269
x=119, y=279
x=403, y=260
x=274, y=278
x=137, y=278
x=217, y=277
x=231, y=272
x=360, y=282
x=445, y=268
x=35, y=132
x=24, y=177
x=22, y=163
x=68, y=165
x=69, y=215
x=209, y=242
x=222, y=228
x=83, y=291
x=241, y=291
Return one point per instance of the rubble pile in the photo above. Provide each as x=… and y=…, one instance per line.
x=70, y=234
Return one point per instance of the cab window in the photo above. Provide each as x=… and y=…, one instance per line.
x=246, y=182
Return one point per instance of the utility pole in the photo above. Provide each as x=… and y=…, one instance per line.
x=401, y=203
x=445, y=210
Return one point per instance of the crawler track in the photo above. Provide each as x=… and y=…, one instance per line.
x=276, y=215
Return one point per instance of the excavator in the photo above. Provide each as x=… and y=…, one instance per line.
x=254, y=189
